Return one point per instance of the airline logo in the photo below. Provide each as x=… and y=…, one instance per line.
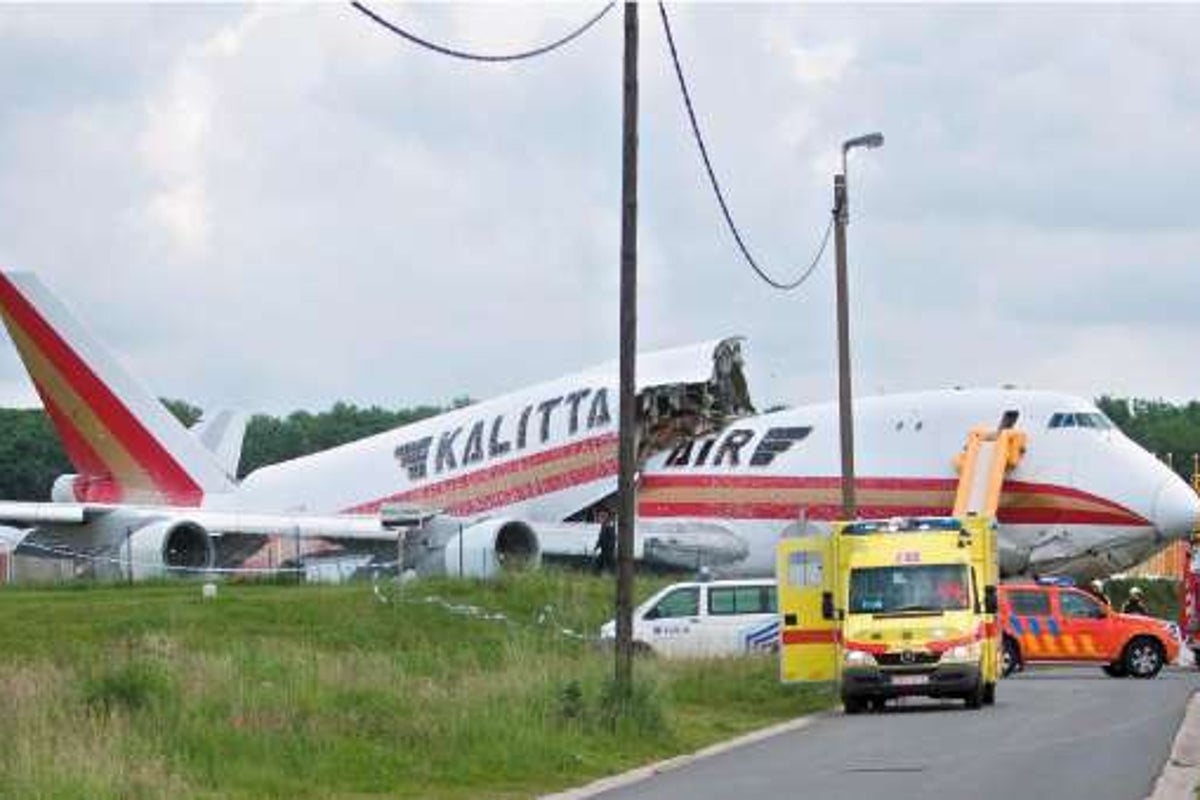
x=728, y=449
x=487, y=439
x=469, y=484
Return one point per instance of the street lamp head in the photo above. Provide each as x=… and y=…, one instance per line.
x=869, y=140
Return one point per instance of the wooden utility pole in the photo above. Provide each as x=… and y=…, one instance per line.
x=627, y=449
x=841, y=216
x=845, y=393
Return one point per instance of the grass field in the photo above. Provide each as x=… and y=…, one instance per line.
x=303, y=691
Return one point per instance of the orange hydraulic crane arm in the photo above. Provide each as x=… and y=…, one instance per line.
x=988, y=457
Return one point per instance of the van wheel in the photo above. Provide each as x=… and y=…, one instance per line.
x=989, y=694
x=1115, y=670
x=642, y=650
x=1010, y=657
x=974, y=698
x=854, y=705
x=1143, y=657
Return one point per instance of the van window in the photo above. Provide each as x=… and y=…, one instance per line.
x=683, y=602
x=1029, y=604
x=741, y=600
x=1077, y=605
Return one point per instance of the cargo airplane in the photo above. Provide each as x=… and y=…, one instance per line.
x=517, y=478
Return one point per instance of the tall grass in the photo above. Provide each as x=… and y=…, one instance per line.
x=293, y=691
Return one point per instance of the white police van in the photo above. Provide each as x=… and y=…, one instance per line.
x=707, y=618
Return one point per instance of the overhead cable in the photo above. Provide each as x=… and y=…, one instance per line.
x=463, y=54
x=712, y=177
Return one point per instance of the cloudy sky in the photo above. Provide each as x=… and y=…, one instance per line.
x=279, y=207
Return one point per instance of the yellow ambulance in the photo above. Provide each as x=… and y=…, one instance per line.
x=893, y=608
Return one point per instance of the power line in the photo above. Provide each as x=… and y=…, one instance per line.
x=712, y=177
x=463, y=54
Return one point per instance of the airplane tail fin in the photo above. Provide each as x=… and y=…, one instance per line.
x=125, y=445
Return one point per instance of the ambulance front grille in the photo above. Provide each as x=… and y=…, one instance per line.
x=914, y=658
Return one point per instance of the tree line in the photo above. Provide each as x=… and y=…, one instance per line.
x=31, y=456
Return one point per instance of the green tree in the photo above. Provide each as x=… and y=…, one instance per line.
x=30, y=454
x=1159, y=426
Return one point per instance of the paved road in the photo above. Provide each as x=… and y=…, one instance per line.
x=1062, y=733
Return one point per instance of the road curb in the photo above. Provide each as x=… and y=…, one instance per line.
x=639, y=774
x=1181, y=773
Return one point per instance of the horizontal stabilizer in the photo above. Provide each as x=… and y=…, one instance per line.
x=223, y=433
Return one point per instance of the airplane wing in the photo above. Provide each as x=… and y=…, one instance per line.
x=162, y=539
x=338, y=526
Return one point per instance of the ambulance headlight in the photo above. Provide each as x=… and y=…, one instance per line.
x=858, y=658
x=964, y=652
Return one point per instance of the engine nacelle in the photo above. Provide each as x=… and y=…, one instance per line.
x=487, y=548
x=168, y=547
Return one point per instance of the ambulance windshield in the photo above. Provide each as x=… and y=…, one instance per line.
x=916, y=589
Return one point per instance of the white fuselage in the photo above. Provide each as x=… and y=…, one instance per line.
x=1084, y=499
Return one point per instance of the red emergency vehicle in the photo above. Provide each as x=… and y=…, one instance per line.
x=1056, y=623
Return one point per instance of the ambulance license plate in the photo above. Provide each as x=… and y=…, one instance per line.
x=909, y=680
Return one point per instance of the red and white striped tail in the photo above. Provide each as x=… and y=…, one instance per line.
x=124, y=444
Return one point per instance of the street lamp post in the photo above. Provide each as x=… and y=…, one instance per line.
x=841, y=210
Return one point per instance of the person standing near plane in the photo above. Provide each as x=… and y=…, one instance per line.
x=606, y=543
x=1096, y=589
x=1136, y=604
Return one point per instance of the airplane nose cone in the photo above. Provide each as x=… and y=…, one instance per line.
x=1176, y=509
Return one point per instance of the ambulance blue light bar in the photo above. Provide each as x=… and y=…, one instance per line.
x=904, y=525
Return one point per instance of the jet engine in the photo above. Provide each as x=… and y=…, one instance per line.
x=489, y=547
x=168, y=547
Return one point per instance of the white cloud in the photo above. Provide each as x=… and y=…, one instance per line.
x=179, y=120
x=826, y=63
x=286, y=206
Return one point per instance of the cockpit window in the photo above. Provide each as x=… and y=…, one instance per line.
x=1079, y=419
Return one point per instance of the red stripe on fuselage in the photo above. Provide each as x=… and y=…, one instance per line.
x=1044, y=511
x=604, y=447
x=169, y=477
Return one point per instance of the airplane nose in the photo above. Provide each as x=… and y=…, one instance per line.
x=1176, y=509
